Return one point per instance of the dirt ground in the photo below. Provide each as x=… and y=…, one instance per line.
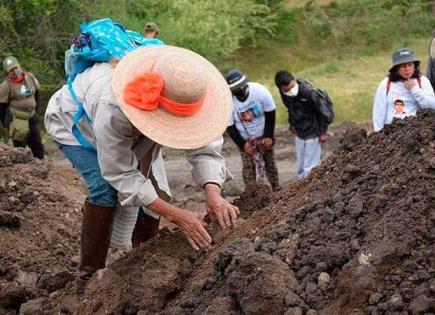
x=355, y=237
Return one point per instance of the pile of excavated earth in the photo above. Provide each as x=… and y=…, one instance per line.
x=355, y=237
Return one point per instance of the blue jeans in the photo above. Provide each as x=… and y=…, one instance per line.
x=86, y=162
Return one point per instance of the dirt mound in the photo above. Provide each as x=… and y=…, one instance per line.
x=39, y=227
x=355, y=237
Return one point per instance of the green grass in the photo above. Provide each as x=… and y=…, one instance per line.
x=350, y=78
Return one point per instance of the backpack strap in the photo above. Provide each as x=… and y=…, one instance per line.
x=77, y=117
x=388, y=86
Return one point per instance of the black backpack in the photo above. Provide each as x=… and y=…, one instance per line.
x=326, y=100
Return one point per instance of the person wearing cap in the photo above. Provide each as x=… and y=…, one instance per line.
x=406, y=83
x=19, y=97
x=251, y=127
x=152, y=97
x=151, y=30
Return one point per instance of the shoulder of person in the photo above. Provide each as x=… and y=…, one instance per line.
x=306, y=88
x=424, y=80
x=258, y=87
x=34, y=79
x=384, y=83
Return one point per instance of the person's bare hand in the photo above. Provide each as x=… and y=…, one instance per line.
x=248, y=148
x=267, y=143
x=409, y=84
x=219, y=208
x=293, y=131
x=193, y=228
x=323, y=138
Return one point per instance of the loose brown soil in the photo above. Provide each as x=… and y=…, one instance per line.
x=355, y=237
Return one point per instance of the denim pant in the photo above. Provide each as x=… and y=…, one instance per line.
x=308, y=154
x=86, y=162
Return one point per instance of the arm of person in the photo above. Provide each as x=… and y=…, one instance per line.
x=114, y=140
x=424, y=96
x=235, y=136
x=209, y=172
x=269, y=108
x=37, y=95
x=4, y=93
x=431, y=71
x=380, y=106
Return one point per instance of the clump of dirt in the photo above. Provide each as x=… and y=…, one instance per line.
x=39, y=227
x=355, y=237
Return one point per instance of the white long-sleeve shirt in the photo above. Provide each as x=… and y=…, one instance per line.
x=111, y=134
x=418, y=97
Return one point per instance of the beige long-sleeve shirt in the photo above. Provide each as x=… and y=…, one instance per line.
x=111, y=133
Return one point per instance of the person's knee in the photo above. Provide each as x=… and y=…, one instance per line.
x=101, y=193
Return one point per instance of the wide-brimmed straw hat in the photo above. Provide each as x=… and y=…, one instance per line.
x=193, y=107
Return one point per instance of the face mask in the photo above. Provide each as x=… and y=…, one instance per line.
x=15, y=73
x=242, y=94
x=293, y=91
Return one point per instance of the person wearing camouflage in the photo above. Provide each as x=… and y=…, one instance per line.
x=19, y=95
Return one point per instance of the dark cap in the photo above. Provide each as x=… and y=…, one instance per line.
x=236, y=79
x=404, y=55
x=151, y=26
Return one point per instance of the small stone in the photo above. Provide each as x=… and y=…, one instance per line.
x=432, y=285
x=312, y=312
x=56, y=281
x=375, y=298
x=9, y=220
x=432, y=163
x=239, y=222
x=12, y=185
x=2, y=186
x=323, y=280
x=27, y=279
x=32, y=307
x=12, y=295
x=292, y=299
x=75, y=260
x=294, y=311
x=356, y=206
x=396, y=302
x=421, y=304
x=13, y=200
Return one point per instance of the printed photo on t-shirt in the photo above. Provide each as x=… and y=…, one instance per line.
x=399, y=108
x=249, y=114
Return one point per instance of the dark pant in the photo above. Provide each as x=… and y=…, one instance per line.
x=34, y=139
x=271, y=169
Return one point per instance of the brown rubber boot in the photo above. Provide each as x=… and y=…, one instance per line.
x=145, y=228
x=95, y=239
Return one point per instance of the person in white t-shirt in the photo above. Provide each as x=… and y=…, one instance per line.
x=251, y=127
x=406, y=84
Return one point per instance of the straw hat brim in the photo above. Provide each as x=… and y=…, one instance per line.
x=163, y=127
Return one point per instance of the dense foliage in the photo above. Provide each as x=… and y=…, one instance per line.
x=39, y=31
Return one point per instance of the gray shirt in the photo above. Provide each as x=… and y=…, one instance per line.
x=111, y=134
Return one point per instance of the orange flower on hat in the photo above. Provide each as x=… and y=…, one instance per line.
x=144, y=91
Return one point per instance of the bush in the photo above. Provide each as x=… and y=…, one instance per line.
x=375, y=23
